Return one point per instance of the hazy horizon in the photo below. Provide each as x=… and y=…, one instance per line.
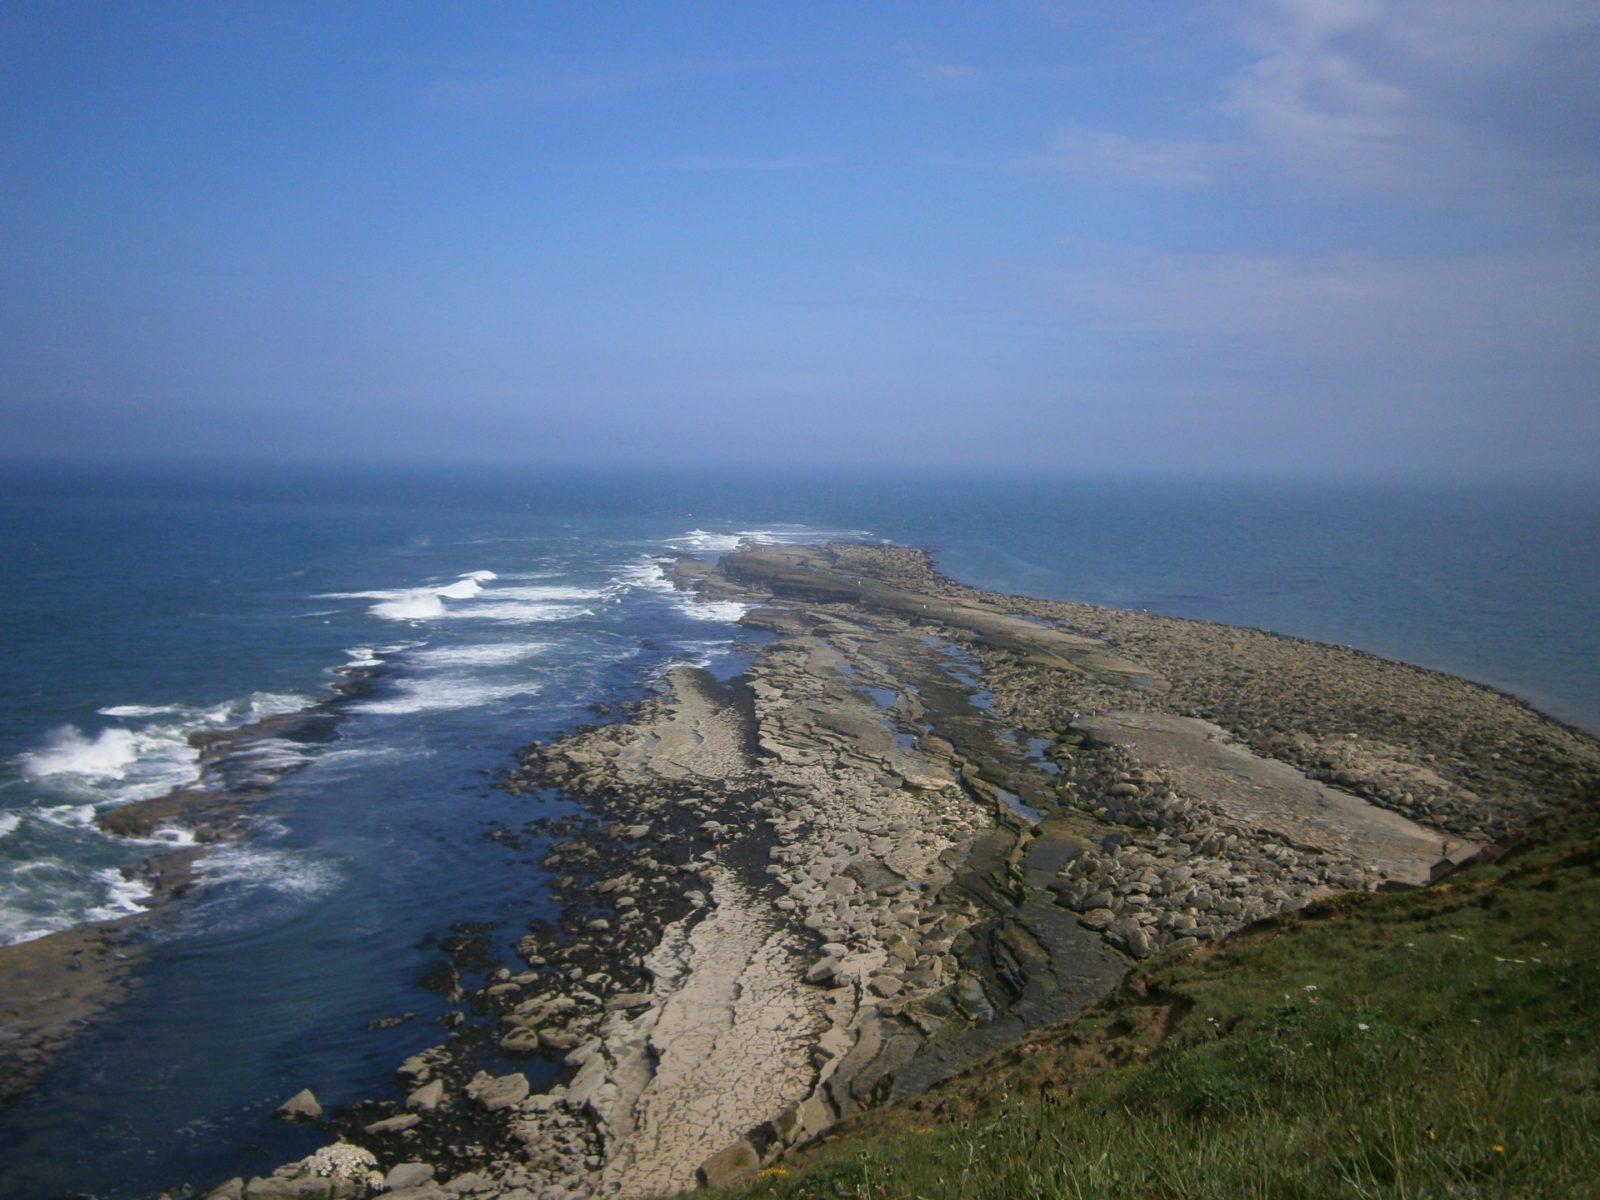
x=1264, y=238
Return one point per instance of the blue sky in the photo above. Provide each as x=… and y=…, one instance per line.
x=1263, y=236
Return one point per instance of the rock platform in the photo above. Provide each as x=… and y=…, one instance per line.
x=925, y=821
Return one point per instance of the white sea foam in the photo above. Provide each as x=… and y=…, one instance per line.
x=69, y=752
x=544, y=593
x=67, y=816
x=263, y=761
x=115, y=765
x=647, y=574
x=123, y=764
x=522, y=604
x=275, y=704
x=464, y=588
x=361, y=758
x=650, y=575
x=715, y=610
x=693, y=652
x=288, y=873
x=489, y=654
x=416, y=604
x=122, y=896
x=9, y=823
x=229, y=712
x=490, y=609
x=171, y=835
x=698, y=540
x=701, y=541
x=444, y=693
x=373, y=656
x=44, y=895
x=39, y=897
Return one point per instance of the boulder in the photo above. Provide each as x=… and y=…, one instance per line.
x=1098, y=918
x=726, y=1167
x=408, y=1175
x=302, y=1106
x=428, y=1097
x=495, y=1092
x=396, y=1124
x=823, y=970
x=520, y=1041
x=559, y=1039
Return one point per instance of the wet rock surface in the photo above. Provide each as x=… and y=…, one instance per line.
x=925, y=821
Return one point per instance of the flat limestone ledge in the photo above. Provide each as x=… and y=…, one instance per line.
x=52, y=987
x=1264, y=794
x=1444, y=751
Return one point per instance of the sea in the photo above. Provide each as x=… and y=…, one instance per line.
x=481, y=609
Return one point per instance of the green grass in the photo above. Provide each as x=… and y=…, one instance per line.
x=1433, y=1044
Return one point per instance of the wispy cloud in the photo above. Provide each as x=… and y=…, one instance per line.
x=1110, y=157
x=1462, y=100
x=1475, y=104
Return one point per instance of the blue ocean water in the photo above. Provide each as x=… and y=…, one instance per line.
x=494, y=608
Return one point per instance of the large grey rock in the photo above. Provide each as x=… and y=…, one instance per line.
x=396, y=1124
x=559, y=1039
x=408, y=1175
x=1098, y=918
x=885, y=985
x=302, y=1106
x=520, y=1041
x=726, y=1167
x=428, y=1097
x=468, y=1183
x=495, y=1092
x=823, y=970
x=273, y=1188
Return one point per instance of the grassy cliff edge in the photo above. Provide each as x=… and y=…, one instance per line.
x=1441, y=1042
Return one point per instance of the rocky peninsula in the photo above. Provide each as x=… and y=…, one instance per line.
x=925, y=821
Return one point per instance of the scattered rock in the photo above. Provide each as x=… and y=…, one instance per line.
x=727, y=1167
x=408, y=1175
x=395, y=1124
x=428, y=1097
x=495, y=1092
x=302, y=1106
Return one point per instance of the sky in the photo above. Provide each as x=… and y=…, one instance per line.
x=1302, y=237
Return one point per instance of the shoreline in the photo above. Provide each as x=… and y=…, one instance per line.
x=61, y=982
x=924, y=822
